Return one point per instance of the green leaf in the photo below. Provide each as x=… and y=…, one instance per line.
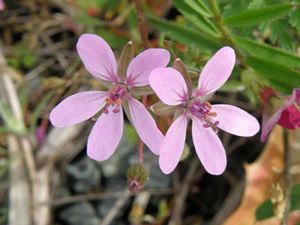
x=256, y=4
x=265, y=51
x=29, y=60
x=86, y=20
x=274, y=71
x=185, y=35
x=295, y=197
x=265, y=210
x=280, y=34
x=114, y=40
x=256, y=16
x=196, y=18
x=200, y=7
x=284, y=88
x=36, y=113
x=233, y=86
x=295, y=19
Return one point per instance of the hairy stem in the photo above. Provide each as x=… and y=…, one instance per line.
x=226, y=35
x=143, y=28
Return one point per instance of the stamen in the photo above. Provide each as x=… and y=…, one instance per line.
x=115, y=99
x=207, y=104
x=105, y=110
x=213, y=114
x=203, y=112
x=116, y=110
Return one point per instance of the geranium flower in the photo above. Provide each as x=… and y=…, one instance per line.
x=288, y=115
x=99, y=60
x=172, y=89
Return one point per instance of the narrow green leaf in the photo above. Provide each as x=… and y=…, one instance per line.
x=200, y=7
x=265, y=51
x=274, y=71
x=256, y=16
x=196, y=18
x=36, y=114
x=233, y=86
x=265, y=210
x=284, y=88
x=280, y=34
x=295, y=197
x=185, y=35
x=294, y=19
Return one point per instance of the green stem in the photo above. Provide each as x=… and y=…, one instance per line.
x=226, y=35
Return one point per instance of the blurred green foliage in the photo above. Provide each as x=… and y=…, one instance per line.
x=265, y=210
x=264, y=33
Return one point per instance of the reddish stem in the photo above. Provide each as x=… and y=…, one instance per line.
x=143, y=28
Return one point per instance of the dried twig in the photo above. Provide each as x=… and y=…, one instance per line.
x=97, y=196
x=288, y=179
x=230, y=204
x=143, y=27
x=176, y=217
x=116, y=207
x=19, y=185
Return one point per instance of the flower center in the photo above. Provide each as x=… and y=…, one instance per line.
x=115, y=99
x=202, y=110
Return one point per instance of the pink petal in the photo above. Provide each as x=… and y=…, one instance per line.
x=2, y=5
x=77, y=108
x=269, y=123
x=145, y=126
x=169, y=85
x=173, y=145
x=208, y=148
x=140, y=67
x=290, y=118
x=105, y=135
x=216, y=71
x=235, y=120
x=296, y=93
x=97, y=57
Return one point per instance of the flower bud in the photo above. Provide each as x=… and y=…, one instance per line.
x=137, y=176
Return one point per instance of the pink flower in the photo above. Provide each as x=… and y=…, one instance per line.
x=288, y=115
x=2, y=5
x=99, y=60
x=172, y=89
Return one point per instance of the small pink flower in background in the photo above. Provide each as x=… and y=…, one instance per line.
x=99, y=60
x=2, y=5
x=288, y=115
x=40, y=134
x=171, y=88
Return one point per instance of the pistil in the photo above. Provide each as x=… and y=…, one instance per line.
x=115, y=99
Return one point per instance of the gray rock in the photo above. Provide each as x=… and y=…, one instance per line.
x=85, y=175
x=79, y=214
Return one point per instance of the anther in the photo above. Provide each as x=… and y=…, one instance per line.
x=105, y=110
x=206, y=125
x=207, y=104
x=213, y=114
x=116, y=110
